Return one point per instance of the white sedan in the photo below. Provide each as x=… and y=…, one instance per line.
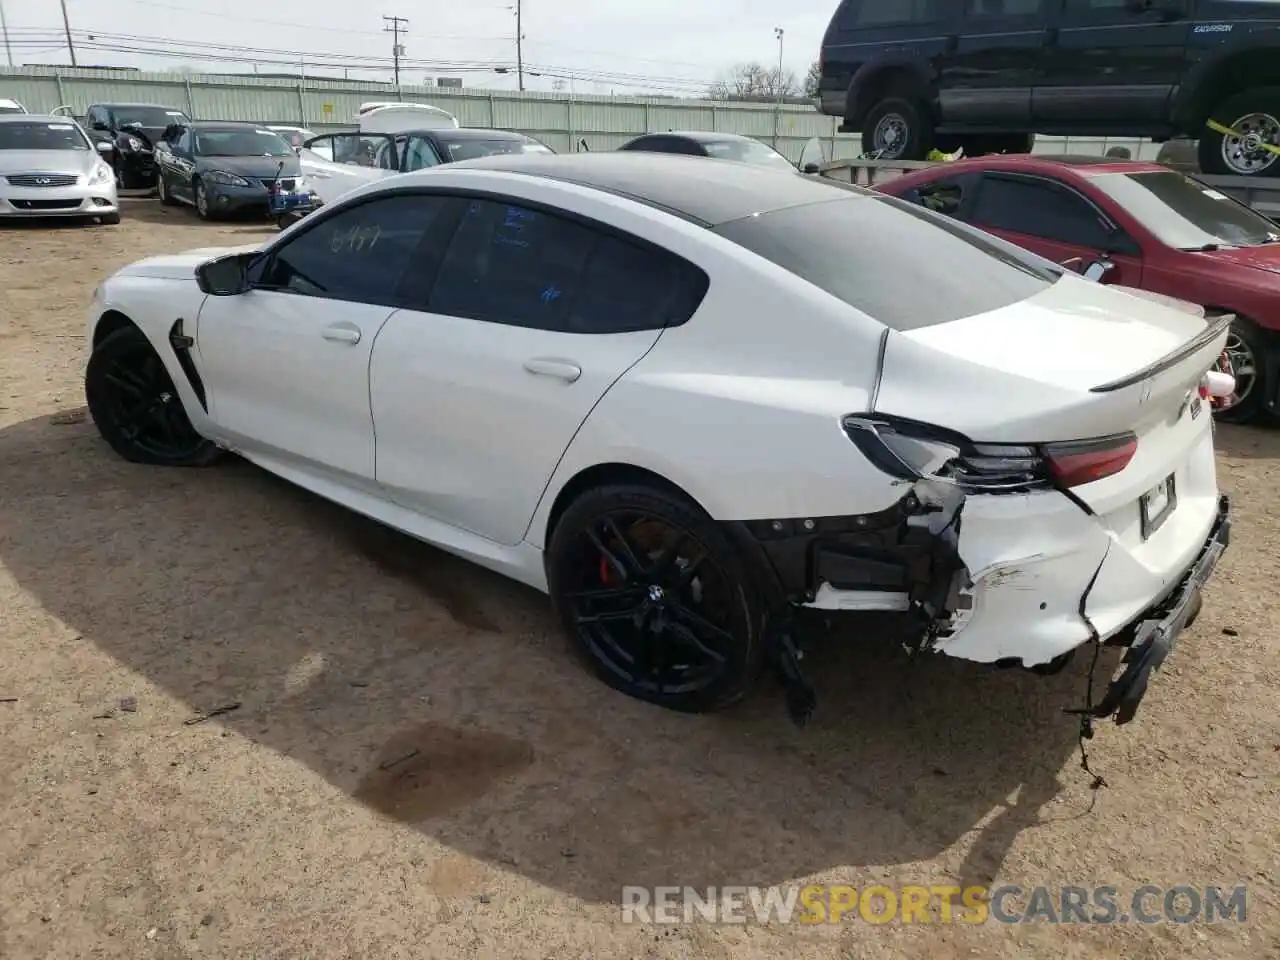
x=688, y=398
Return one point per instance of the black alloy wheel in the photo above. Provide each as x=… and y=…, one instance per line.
x=136, y=407
x=656, y=598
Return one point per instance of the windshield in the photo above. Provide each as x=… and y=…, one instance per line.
x=42, y=136
x=1185, y=213
x=154, y=117
x=746, y=151
x=471, y=149
x=241, y=143
x=898, y=263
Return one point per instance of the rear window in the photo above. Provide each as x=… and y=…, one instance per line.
x=901, y=264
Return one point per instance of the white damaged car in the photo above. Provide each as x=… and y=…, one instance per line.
x=688, y=398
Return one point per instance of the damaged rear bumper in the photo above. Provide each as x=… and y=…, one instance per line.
x=1156, y=632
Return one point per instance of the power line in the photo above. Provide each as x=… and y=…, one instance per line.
x=393, y=26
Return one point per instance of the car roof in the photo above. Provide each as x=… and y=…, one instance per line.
x=109, y=104
x=703, y=136
x=36, y=117
x=702, y=189
x=474, y=133
x=1067, y=166
x=216, y=125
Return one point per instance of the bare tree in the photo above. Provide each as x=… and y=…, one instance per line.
x=754, y=81
x=813, y=80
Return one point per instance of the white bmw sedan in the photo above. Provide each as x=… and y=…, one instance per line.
x=688, y=398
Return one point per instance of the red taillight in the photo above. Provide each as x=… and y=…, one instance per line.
x=1083, y=461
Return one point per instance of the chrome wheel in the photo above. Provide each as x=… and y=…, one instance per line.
x=1238, y=360
x=1244, y=149
x=890, y=136
x=202, y=200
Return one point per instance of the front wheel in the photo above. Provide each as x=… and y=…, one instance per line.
x=201, y=196
x=136, y=407
x=162, y=192
x=1239, y=132
x=655, y=598
x=897, y=129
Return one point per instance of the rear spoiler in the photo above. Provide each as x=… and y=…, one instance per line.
x=1218, y=326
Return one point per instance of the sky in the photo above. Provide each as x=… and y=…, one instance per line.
x=602, y=46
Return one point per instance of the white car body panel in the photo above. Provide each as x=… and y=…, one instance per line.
x=438, y=426
x=329, y=180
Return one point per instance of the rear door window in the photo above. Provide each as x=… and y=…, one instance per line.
x=902, y=265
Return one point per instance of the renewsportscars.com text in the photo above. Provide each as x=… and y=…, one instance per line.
x=1009, y=903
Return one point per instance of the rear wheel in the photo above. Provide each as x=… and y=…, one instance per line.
x=655, y=598
x=897, y=129
x=1253, y=118
x=1246, y=352
x=136, y=407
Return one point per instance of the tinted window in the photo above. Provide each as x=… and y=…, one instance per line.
x=241, y=143
x=148, y=116
x=902, y=265
x=358, y=254
x=1088, y=5
x=1039, y=209
x=63, y=135
x=1003, y=8
x=875, y=13
x=512, y=265
x=1185, y=213
x=664, y=145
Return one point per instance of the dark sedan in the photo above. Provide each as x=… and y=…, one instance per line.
x=724, y=146
x=226, y=168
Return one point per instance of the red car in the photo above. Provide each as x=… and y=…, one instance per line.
x=1138, y=224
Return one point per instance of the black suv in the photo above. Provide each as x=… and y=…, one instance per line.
x=912, y=75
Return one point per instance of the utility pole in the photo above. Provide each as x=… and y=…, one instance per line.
x=66, y=25
x=519, y=44
x=4, y=28
x=394, y=26
x=777, y=110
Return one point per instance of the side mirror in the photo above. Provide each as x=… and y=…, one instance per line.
x=811, y=168
x=226, y=276
x=104, y=146
x=1097, y=271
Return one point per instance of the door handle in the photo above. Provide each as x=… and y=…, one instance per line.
x=953, y=44
x=1050, y=34
x=565, y=370
x=341, y=334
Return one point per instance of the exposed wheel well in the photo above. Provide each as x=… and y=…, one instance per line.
x=1244, y=71
x=109, y=323
x=898, y=80
x=600, y=475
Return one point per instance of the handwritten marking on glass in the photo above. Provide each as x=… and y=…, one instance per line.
x=550, y=294
x=356, y=240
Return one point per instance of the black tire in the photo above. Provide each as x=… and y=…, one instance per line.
x=704, y=582
x=109, y=219
x=136, y=408
x=162, y=192
x=914, y=130
x=1247, y=340
x=203, y=210
x=1246, y=160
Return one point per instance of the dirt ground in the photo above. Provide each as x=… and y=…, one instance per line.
x=134, y=600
